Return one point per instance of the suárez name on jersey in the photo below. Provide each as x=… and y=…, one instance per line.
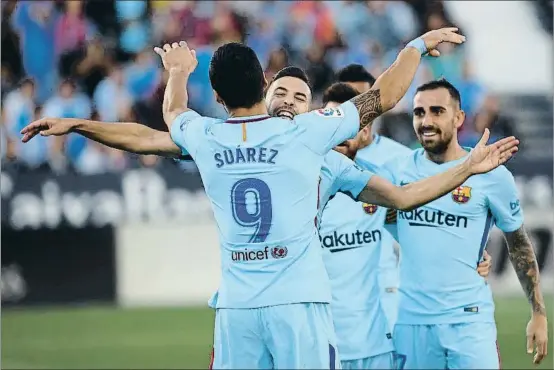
x=432, y=218
x=245, y=155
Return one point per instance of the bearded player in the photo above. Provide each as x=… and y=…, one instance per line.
x=289, y=95
x=446, y=312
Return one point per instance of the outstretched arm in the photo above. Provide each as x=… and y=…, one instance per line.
x=382, y=192
x=392, y=85
x=483, y=158
x=180, y=62
x=131, y=137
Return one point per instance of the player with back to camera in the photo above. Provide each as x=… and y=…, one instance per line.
x=289, y=95
x=446, y=312
x=255, y=312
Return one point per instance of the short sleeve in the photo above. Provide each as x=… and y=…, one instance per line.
x=182, y=132
x=388, y=171
x=326, y=128
x=503, y=200
x=351, y=179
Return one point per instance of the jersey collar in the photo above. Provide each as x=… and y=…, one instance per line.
x=249, y=119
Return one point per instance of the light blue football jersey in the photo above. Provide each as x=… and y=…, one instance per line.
x=340, y=174
x=442, y=243
x=353, y=237
x=373, y=157
x=261, y=175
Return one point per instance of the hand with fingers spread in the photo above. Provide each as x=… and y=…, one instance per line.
x=177, y=57
x=537, y=337
x=434, y=38
x=47, y=127
x=484, y=158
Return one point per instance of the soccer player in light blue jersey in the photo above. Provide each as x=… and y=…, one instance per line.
x=250, y=333
x=261, y=175
x=356, y=243
x=446, y=311
x=372, y=157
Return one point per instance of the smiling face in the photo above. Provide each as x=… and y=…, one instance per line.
x=436, y=118
x=287, y=97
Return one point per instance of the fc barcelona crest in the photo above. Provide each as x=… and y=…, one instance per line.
x=461, y=194
x=369, y=208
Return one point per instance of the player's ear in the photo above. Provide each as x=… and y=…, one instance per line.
x=217, y=98
x=460, y=118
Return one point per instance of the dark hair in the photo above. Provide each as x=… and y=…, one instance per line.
x=442, y=84
x=292, y=71
x=339, y=92
x=237, y=76
x=355, y=73
x=27, y=81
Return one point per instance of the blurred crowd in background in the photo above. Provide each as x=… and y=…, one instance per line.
x=94, y=60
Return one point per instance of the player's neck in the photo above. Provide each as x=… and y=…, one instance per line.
x=452, y=153
x=366, y=143
x=256, y=110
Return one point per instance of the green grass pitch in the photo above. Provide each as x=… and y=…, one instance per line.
x=172, y=338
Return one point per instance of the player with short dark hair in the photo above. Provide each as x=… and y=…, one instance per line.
x=356, y=76
x=338, y=92
x=446, y=312
x=356, y=273
x=292, y=71
x=264, y=318
x=235, y=65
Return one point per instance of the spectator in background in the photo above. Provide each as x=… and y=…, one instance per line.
x=450, y=65
x=380, y=26
x=73, y=30
x=142, y=75
x=267, y=26
x=69, y=103
x=227, y=25
x=92, y=66
x=135, y=28
x=35, y=22
x=111, y=98
x=278, y=59
x=489, y=116
x=320, y=73
x=19, y=110
x=472, y=91
x=357, y=77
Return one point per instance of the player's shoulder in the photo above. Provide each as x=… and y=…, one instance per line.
x=499, y=176
x=405, y=159
x=335, y=112
x=397, y=148
x=335, y=161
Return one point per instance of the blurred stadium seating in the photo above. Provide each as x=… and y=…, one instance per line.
x=91, y=236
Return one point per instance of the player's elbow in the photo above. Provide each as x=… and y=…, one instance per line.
x=171, y=114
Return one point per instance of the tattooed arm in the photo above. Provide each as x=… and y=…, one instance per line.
x=524, y=261
x=391, y=86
